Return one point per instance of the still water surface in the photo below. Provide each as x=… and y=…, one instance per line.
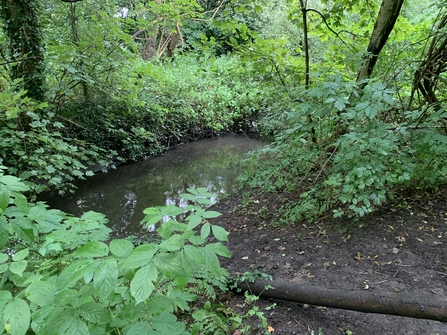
x=124, y=193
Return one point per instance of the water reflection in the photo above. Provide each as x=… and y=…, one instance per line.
x=124, y=193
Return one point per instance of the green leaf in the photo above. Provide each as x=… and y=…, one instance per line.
x=193, y=221
x=194, y=254
x=139, y=328
x=19, y=255
x=211, y=214
x=75, y=271
x=16, y=317
x=219, y=249
x=24, y=229
x=188, y=196
x=5, y=195
x=95, y=313
x=77, y=327
x=204, y=201
x=14, y=183
x=4, y=232
x=18, y=267
x=48, y=220
x=220, y=233
x=41, y=293
x=173, y=243
x=211, y=261
x=140, y=256
x=166, y=323
x=5, y=297
x=106, y=277
x=141, y=285
x=3, y=258
x=192, y=190
x=61, y=322
x=170, y=265
x=92, y=249
x=121, y=247
x=22, y=203
x=94, y=216
x=205, y=230
x=153, y=216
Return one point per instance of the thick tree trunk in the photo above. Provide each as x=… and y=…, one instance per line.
x=22, y=27
x=403, y=304
x=388, y=14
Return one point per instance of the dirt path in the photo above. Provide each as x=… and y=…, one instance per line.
x=395, y=249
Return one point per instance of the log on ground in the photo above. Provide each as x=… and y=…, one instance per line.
x=433, y=307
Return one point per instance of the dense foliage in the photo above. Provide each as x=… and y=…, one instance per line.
x=353, y=93
x=61, y=275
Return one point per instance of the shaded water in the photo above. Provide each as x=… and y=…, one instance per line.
x=124, y=193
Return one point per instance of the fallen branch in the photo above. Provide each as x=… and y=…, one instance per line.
x=433, y=307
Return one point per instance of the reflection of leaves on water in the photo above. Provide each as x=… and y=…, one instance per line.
x=123, y=194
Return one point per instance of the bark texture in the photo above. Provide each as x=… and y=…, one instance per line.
x=388, y=14
x=419, y=306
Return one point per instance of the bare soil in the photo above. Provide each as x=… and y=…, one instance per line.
x=397, y=249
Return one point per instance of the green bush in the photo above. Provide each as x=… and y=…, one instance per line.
x=38, y=152
x=60, y=274
x=366, y=149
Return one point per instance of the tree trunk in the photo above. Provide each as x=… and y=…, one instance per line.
x=388, y=14
x=403, y=304
x=22, y=27
x=434, y=64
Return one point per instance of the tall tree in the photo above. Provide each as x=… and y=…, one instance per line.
x=22, y=26
x=388, y=14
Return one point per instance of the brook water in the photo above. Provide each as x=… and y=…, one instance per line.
x=124, y=193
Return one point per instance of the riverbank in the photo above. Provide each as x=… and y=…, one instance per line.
x=396, y=249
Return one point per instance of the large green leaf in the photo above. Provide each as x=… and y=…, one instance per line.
x=153, y=216
x=106, y=277
x=41, y=293
x=140, y=256
x=5, y=297
x=4, y=232
x=24, y=228
x=75, y=271
x=62, y=321
x=48, y=220
x=205, y=230
x=220, y=233
x=166, y=323
x=95, y=313
x=16, y=317
x=121, y=247
x=13, y=183
x=194, y=254
x=77, y=327
x=4, y=197
x=211, y=261
x=169, y=264
x=211, y=214
x=19, y=255
x=92, y=249
x=142, y=285
x=18, y=267
x=193, y=220
x=219, y=249
x=173, y=243
x=139, y=328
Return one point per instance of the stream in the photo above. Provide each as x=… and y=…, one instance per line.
x=122, y=194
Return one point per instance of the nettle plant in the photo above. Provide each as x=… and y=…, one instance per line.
x=58, y=274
